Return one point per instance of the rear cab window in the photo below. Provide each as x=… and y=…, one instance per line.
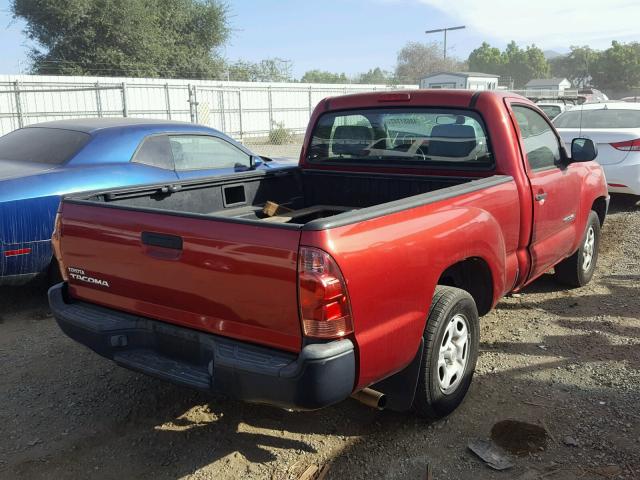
x=52, y=146
x=422, y=137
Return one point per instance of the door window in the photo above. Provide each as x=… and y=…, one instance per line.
x=540, y=142
x=155, y=152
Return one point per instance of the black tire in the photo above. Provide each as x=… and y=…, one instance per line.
x=448, y=306
x=571, y=271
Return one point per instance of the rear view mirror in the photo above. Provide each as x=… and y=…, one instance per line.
x=583, y=150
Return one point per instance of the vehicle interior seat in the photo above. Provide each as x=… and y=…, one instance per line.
x=452, y=140
x=352, y=140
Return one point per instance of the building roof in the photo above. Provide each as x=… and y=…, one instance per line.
x=543, y=82
x=464, y=74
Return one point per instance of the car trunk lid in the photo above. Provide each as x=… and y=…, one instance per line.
x=15, y=169
x=604, y=138
x=213, y=275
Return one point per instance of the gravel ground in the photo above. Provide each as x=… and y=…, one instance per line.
x=566, y=360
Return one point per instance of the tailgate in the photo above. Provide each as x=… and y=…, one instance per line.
x=221, y=277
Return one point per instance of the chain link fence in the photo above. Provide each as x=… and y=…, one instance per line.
x=269, y=119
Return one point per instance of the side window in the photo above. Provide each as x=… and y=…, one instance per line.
x=155, y=152
x=540, y=142
x=200, y=152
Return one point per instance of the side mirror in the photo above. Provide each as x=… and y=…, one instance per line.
x=256, y=161
x=583, y=150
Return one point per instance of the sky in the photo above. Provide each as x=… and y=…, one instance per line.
x=353, y=36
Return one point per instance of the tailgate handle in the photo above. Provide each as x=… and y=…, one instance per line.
x=162, y=240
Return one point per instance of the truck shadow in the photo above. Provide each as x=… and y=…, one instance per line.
x=621, y=202
x=619, y=300
x=143, y=428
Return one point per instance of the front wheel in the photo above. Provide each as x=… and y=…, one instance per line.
x=451, y=341
x=577, y=270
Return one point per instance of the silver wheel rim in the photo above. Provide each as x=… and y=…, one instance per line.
x=453, y=354
x=588, y=249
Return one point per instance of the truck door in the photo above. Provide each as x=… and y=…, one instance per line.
x=555, y=188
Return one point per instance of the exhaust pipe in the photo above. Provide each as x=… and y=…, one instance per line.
x=371, y=398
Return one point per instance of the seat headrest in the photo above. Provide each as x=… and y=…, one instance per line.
x=351, y=140
x=452, y=140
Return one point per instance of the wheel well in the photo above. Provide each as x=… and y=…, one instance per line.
x=600, y=207
x=474, y=276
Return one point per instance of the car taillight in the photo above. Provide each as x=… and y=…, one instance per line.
x=325, y=310
x=55, y=244
x=628, y=146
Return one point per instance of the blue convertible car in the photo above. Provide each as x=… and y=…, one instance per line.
x=40, y=163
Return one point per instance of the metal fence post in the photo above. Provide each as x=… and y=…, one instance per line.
x=167, y=100
x=192, y=113
x=223, y=123
x=270, y=108
x=98, y=100
x=240, y=113
x=16, y=85
x=310, y=100
x=196, y=104
x=125, y=108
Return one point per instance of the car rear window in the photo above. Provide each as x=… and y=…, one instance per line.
x=601, y=118
x=42, y=145
x=444, y=138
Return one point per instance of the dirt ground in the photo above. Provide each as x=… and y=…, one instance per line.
x=566, y=360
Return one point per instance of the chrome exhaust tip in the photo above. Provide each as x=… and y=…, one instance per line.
x=371, y=398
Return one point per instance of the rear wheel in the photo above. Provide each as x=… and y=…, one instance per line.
x=577, y=270
x=451, y=341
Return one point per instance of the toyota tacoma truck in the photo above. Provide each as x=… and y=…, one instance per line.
x=362, y=271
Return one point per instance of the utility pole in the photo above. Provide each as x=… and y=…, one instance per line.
x=445, y=30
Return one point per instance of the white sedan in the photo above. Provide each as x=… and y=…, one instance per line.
x=615, y=128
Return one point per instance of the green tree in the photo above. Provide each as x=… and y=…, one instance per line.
x=576, y=65
x=524, y=65
x=150, y=38
x=321, y=76
x=268, y=70
x=617, y=68
x=486, y=59
x=376, y=76
x=417, y=60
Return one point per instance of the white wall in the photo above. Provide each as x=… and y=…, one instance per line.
x=443, y=78
x=240, y=109
x=457, y=81
x=482, y=83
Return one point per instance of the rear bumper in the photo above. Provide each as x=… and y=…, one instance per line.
x=624, y=177
x=321, y=375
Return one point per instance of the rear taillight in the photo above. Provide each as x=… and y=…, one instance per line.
x=628, y=146
x=55, y=244
x=325, y=310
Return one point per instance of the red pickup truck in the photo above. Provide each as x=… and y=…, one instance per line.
x=360, y=272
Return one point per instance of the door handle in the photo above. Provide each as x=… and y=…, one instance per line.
x=541, y=196
x=163, y=240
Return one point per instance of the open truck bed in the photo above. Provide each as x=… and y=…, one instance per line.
x=305, y=196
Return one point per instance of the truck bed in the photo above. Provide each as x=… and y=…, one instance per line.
x=205, y=255
x=306, y=198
